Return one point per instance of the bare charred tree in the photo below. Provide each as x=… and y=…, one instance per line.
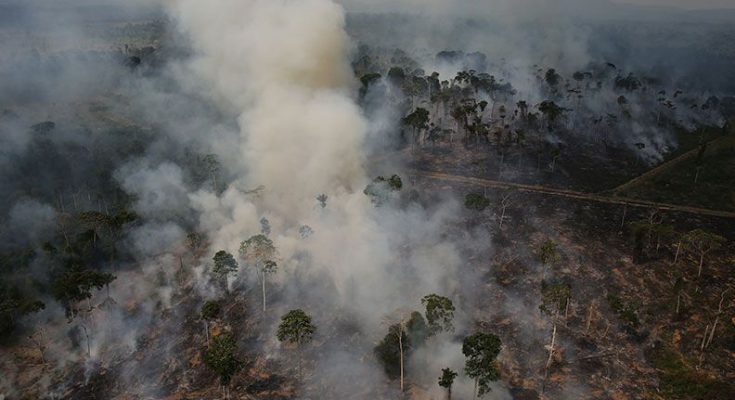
x=702, y=243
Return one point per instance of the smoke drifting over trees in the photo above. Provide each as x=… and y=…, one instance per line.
x=148, y=151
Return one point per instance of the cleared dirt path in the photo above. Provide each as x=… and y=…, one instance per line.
x=568, y=193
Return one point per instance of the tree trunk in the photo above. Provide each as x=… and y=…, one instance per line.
x=551, y=356
x=206, y=331
x=701, y=263
x=86, y=334
x=625, y=214
x=264, y=292
x=474, y=392
x=400, y=347
x=589, y=318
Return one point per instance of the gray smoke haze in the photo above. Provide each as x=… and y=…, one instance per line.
x=267, y=87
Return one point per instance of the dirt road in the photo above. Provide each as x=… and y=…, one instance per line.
x=466, y=180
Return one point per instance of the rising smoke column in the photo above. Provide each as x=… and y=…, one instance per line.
x=283, y=65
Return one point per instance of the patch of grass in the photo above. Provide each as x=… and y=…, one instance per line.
x=715, y=187
x=626, y=312
x=678, y=380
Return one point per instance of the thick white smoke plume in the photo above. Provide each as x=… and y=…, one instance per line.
x=283, y=66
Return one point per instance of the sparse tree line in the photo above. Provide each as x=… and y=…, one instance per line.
x=409, y=331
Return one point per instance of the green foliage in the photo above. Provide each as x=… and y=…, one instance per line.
x=257, y=249
x=380, y=189
x=221, y=358
x=369, y=78
x=413, y=333
x=211, y=310
x=701, y=241
x=388, y=350
x=15, y=304
x=417, y=330
x=296, y=328
x=447, y=379
x=678, y=380
x=417, y=120
x=194, y=241
x=224, y=263
x=548, y=253
x=625, y=311
x=476, y=201
x=551, y=110
x=439, y=313
x=74, y=284
x=554, y=297
x=481, y=351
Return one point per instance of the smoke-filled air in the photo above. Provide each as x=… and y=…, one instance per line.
x=367, y=199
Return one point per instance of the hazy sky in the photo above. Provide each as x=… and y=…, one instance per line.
x=688, y=4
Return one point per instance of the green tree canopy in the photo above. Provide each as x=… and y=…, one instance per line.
x=476, y=201
x=224, y=263
x=439, y=313
x=481, y=351
x=296, y=328
x=211, y=310
x=221, y=358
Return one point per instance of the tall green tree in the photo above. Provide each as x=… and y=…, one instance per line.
x=447, y=381
x=224, y=264
x=405, y=333
x=222, y=359
x=548, y=254
x=481, y=351
x=296, y=328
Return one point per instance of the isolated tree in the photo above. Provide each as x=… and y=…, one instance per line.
x=702, y=243
x=297, y=329
x=406, y=331
x=322, y=199
x=439, y=313
x=194, y=242
x=265, y=226
x=476, y=201
x=221, y=358
x=548, y=255
x=305, y=231
x=505, y=201
x=447, y=381
x=481, y=351
x=259, y=252
x=224, y=264
x=210, y=311
x=552, y=78
x=381, y=189
x=554, y=302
